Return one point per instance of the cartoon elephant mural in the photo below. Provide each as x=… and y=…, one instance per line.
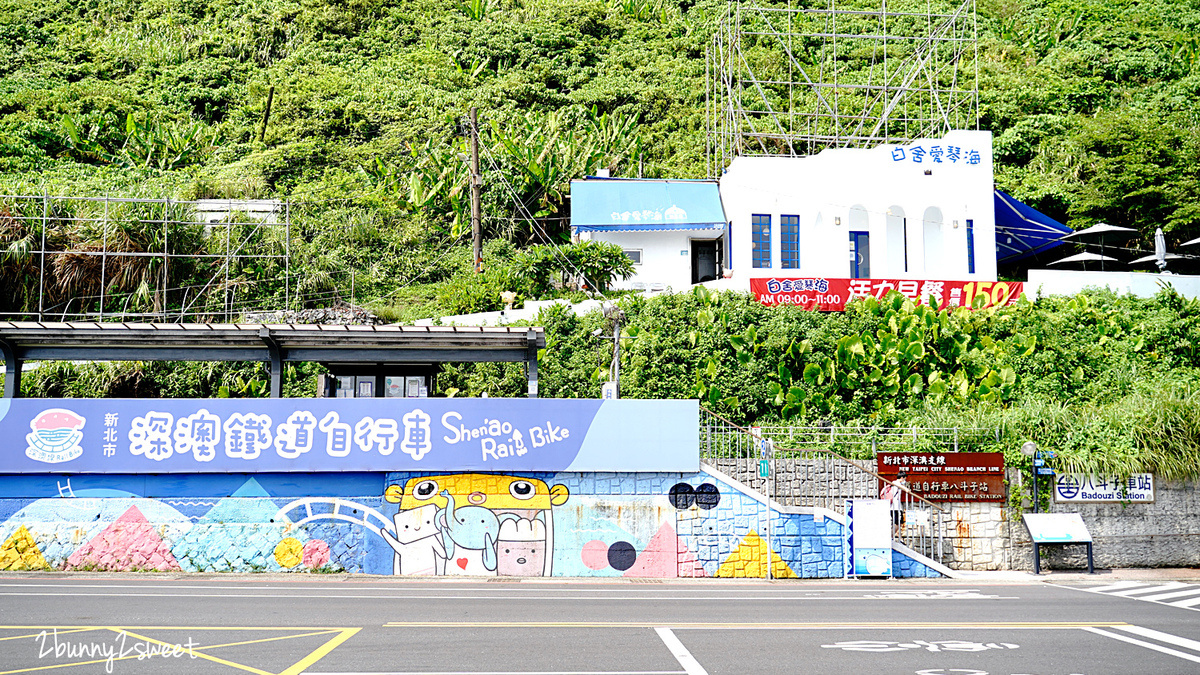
x=469, y=534
x=485, y=524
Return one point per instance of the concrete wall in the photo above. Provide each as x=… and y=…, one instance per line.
x=1142, y=284
x=562, y=524
x=666, y=256
x=1164, y=533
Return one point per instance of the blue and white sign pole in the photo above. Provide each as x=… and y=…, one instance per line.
x=767, y=450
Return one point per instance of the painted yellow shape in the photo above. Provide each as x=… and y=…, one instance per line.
x=337, y=637
x=491, y=491
x=748, y=560
x=20, y=552
x=289, y=552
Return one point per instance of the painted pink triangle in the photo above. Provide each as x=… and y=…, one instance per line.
x=660, y=557
x=130, y=543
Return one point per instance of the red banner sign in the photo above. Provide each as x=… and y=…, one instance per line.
x=947, y=476
x=831, y=295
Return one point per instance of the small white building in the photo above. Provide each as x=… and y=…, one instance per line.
x=673, y=230
x=925, y=210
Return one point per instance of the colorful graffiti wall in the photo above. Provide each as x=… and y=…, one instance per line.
x=696, y=524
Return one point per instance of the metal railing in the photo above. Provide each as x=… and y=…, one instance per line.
x=822, y=477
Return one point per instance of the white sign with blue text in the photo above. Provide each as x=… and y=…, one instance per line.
x=1079, y=487
x=238, y=435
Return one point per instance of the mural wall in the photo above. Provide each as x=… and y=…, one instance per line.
x=694, y=524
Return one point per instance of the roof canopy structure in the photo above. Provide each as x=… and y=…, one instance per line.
x=274, y=344
x=616, y=205
x=1022, y=231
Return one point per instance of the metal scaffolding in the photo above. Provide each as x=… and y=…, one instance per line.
x=789, y=78
x=119, y=259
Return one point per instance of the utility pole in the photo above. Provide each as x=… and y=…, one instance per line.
x=262, y=133
x=616, y=315
x=476, y=185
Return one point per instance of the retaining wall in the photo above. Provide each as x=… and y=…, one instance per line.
x=536, y=524
x=1163, y=533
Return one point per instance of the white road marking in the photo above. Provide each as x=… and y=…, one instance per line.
x=1117, y=586
x=1184, y=596
x=1161, y=636
x=1170, y=586
x=509, y=672
x=1192, y=590
x=1143, y=643
x=690, y=665
x=1186, y=604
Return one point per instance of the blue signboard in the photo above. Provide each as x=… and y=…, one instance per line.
x=253, y=435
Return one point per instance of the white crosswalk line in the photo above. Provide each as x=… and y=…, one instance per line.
x=1143, y=643
x=1161, y=636
x=1185, y=603
x=1170, y=586
x=1191, y=590
x=1118, y=586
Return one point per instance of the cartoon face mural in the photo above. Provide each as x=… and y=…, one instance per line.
x=486, y=524
x=416, y=542
x=522, y=549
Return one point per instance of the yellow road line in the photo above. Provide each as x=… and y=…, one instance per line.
x=111, y=627
x=271, y=639
x=318, y=654
x=207, y=657
x=718, y=626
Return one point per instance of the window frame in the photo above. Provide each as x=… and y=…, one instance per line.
x=760, y=240
x=789, y=242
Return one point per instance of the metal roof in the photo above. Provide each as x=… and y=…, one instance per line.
x=246, y=342
x=273, y=343
x=625, y=204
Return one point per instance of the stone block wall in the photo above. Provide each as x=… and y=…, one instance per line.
x=1164, y=533
x=546, y=524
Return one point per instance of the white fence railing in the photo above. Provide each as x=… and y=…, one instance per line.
x=806, y=469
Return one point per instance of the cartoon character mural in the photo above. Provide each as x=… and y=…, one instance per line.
x=477, y=524
x=419, y=550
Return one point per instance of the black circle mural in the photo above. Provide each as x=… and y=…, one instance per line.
x=681, y=495
x=707, y=496
x=622, y=555
x=704, y=495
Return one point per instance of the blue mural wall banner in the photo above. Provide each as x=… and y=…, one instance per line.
x=139, y=436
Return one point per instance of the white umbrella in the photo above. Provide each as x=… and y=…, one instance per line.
x=1085, y=257
x=1160, y=249
x=1102, y=232
x=1154, y=258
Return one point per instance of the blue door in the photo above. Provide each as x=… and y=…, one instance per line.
x=860, y=255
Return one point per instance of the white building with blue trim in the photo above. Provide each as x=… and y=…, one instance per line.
x=926, y=210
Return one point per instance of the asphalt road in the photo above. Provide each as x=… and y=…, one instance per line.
x=291, y=624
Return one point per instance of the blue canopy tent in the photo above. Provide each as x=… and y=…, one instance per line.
x=1022, y=231
x=623, y=205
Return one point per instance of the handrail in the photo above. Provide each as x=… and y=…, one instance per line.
x=836, y=455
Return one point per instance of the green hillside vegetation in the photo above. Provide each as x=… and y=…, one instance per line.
x=1093, y=106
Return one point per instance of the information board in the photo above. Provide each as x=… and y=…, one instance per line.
x=868, y=538
x=329, y=434
x=1057, y=528
x=947, y=476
